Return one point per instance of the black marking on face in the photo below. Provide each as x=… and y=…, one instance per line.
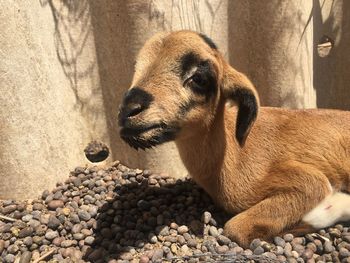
x=138, y=95
x=203, y=81
x=135, y=101
x=209, y=41
x=162, y=133
x=187, y=62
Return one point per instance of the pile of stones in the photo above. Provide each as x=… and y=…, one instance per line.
x=117, y=214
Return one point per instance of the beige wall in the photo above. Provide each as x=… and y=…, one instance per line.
x=51, y=101
x=64, y=66
x=332, y=73
x=272, y=42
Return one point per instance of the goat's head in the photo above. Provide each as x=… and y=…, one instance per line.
x=180, y=81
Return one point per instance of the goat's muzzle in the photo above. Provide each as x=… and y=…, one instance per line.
x=135, y=129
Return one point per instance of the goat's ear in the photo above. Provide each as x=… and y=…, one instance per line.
x=238, y=88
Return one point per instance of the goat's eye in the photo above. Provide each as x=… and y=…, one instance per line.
x=198, y=79
x=197, y=82
x=202, y=81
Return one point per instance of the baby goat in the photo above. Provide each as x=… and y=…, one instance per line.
x=292, y=173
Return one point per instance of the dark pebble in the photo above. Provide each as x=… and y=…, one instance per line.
x=9, y=209
x=54, y=222
x=28, y=241
x=192, y=242
x=54, y=204
x=13, y=249
x=254, y=244
x=95, y=255
x=258, y=250
x=157, y=255
x=328, y=247
x=344, y=253
x=25, y=232
x=5, y=228
x=84, y=215
x=279, y=241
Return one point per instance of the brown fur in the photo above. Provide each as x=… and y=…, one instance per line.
x=289, y=162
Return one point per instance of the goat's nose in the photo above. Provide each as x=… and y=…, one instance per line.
x=135, y=101
x=133, y=109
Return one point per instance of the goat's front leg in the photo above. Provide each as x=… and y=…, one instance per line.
x=291, y=190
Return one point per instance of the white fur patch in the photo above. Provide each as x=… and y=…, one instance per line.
x=334, y=208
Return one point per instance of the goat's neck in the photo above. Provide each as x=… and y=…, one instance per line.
x=204, y=154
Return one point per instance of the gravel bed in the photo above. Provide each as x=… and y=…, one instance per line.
x=117, y=214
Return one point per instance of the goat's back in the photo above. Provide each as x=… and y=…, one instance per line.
x=317, y=137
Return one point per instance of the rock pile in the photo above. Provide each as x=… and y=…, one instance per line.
x=117, y=214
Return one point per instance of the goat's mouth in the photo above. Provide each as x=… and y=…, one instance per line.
x=148, y=136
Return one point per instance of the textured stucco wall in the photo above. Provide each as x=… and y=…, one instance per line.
x=272, y=42
x=332, y=72
x=51, y=103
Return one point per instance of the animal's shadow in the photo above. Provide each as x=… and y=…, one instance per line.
x=141, y=209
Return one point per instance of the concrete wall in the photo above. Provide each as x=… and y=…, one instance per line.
x=332, y=72
x=51, y=101
x=272, y=42
x=64, y=66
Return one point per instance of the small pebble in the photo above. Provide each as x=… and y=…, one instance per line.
x=328, y=247
x=25, y=257
x=50, y=235
x=213, y=231
x=288, y=237
x=157, y=255
x=279, y=241
x=89, y=240
x=25, y=232
x=182, y=229
x=54, y=204
x=53, y=222
x=222, y=240
x=84, y=215
x=258, y=250
x=9, y=258
x=206, y=217
x=255, y=243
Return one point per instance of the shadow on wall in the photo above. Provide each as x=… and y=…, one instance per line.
x=112, y=27
x=73, y=33
x=331, y=73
